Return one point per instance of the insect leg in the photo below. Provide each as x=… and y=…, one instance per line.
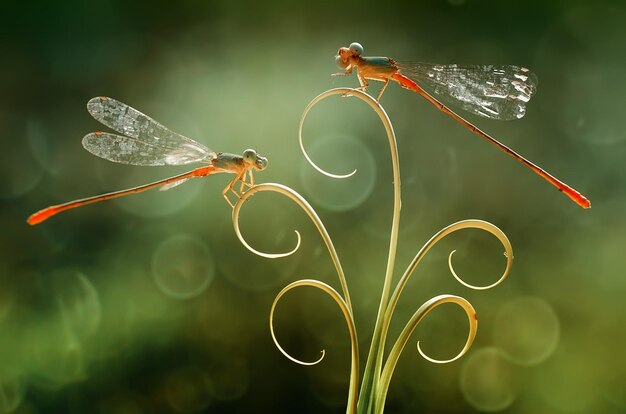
x=380, y=94
x=363, y=82
x=229, y=187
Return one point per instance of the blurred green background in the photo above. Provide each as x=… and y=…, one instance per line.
x=150, y=304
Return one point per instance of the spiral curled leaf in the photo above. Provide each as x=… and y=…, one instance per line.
x=471, y=316
x=236, y=210
x=482, y=225
x=460, y=225
x=402, y=340
x=300, y=201
x=300, y=140
x=345, y=92
x=347, y=313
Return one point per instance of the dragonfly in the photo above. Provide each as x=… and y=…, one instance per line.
x=146, y=142
x=491, y=91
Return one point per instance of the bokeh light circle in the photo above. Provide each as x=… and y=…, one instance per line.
x=183, y=266
x=527, y=330
x=487, y=381
x=341, y=154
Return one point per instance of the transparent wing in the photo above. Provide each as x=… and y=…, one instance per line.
x=172, y=185
x=135, y=151
x=496, y=92
x=147, y=142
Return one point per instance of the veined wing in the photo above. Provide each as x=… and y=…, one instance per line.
x=135, y=151
x=147, y=142
x=496, y=92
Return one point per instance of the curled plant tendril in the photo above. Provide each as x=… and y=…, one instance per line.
x=376, y=377
x=432, y=304
x=464, y=283
x=347, y=313
x=276, y=342
x=300, y=201
x=343, y=302
x=460, y=225
x=483, y=225
x=402, y=340
x=344, y=92
x=243, y=241
x=306, y=155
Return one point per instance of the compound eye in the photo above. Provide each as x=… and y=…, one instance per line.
x=261, y=163
x=340, y=63
x=249, y=155
x=356, y=48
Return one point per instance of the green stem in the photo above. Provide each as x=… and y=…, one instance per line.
x=375, y=357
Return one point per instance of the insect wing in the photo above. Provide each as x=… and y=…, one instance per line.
x=495, y=92
x=146, y=142
x=135, y=151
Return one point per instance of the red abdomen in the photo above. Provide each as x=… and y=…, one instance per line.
x=406, y=82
